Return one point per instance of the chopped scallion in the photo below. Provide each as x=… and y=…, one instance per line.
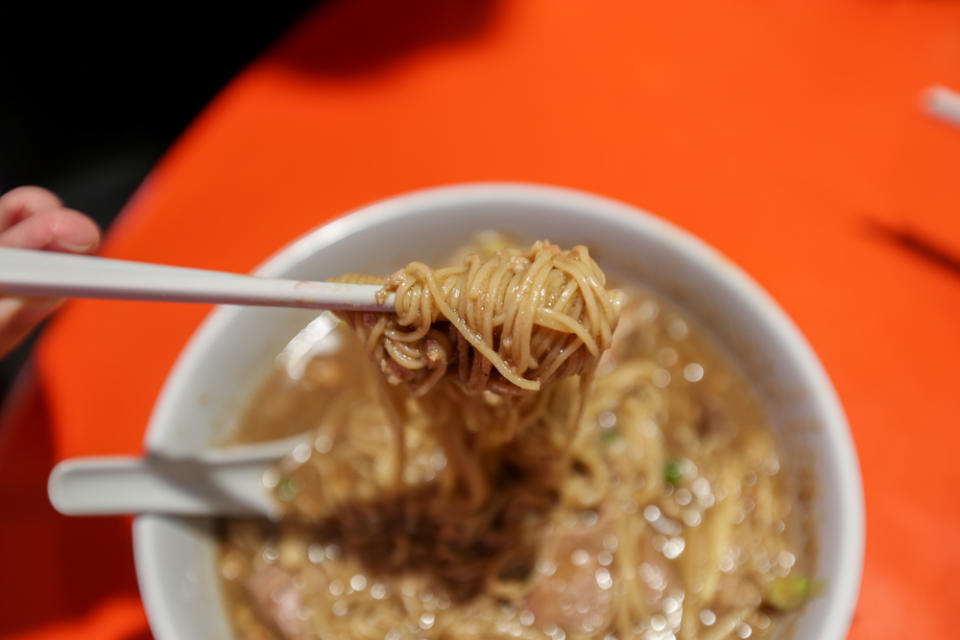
x=287, y=488
x=789, y=593
x=673, y=472
x=610, y=435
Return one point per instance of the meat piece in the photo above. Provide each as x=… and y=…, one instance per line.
x=576, y=593
x=278, y=601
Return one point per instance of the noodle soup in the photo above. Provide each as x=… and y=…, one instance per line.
x=675, y=515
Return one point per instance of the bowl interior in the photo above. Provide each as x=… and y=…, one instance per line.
x=232, y=350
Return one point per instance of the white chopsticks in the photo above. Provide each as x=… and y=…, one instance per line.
x=49, y=274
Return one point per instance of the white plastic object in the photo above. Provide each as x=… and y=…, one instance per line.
x=50, y=274
x=219, y=482
x=943, y=104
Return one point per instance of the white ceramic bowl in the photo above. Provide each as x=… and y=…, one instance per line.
x=230, y=352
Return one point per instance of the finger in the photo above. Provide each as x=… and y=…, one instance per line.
x=18, y=316
x=58, y=230
x=23, y=202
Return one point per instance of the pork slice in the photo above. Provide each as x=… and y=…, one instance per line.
x=577, y=592
x=279, y=601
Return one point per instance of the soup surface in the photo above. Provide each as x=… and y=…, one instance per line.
x=676, y=516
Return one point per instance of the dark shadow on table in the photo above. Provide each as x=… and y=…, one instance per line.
x=54, y=568
x=346, y=37
x=917, y=244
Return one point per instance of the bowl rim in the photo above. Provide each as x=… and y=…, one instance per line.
x=844, y=591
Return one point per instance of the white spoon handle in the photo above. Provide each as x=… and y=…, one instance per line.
x=119, y=485
x=43, y=273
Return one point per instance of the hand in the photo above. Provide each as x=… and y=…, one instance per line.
x=34, y=218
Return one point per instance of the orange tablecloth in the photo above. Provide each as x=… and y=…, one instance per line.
x=781, y=133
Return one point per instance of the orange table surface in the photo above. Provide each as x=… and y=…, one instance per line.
x=783, y=133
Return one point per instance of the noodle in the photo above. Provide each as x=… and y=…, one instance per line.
x=550, y=477
x=533, y=316
x=474, y=342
